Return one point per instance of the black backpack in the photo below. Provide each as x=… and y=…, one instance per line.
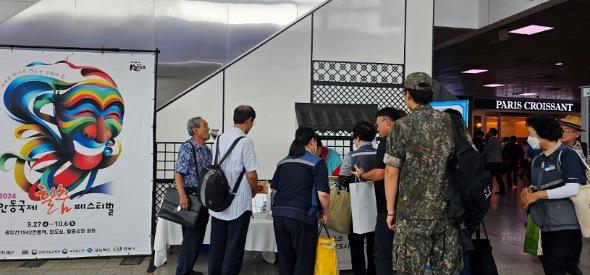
x=213, y=191
x=470, y=184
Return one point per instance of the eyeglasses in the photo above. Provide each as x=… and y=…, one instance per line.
x=568, y=130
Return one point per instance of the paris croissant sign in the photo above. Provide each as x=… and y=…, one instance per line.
x=528, y=105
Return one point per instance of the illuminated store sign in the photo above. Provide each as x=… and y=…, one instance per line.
x=525, y=105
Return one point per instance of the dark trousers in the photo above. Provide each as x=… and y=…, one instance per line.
x=296, y=246
x=192, y=239
x=228, y=238
x=561, y=251
x=383, y=246
x=357, y=253
x=495, y=169
x=512, y=174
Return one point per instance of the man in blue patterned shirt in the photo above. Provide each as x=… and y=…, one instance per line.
x=192, y=156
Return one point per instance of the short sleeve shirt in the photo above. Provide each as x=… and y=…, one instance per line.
x=421, y=144
x=185, y=164
x=380, y=185
x=572, y=167
x=243, y=156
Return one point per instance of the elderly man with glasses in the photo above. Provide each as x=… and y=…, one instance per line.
x=572, y=128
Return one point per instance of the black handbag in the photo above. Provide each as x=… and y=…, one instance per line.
x=171, y=210
x=481, y=259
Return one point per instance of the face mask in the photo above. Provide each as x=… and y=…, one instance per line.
x=534, y=142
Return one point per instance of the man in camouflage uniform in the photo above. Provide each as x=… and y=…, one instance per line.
x=418, y=149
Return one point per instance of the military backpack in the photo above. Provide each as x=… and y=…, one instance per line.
x=470, y=183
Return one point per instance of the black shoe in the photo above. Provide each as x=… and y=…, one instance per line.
x=197, y=273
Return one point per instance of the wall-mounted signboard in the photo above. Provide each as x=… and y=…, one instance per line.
x=528, y=105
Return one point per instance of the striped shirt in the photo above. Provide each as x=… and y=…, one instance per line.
x=364, y=149
x=242, y=156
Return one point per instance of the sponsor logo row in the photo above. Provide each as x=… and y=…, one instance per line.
x=66, y=251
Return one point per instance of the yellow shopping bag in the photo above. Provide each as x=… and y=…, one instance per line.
x=326, y=262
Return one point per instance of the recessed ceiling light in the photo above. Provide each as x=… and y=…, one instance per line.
x=558, y=64
x=531, y=29
x=494, y=85
x=527, y=94
x=474, y=71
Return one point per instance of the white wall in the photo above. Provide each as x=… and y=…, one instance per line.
x=360, y=31
x=419, y=36
x=271, y=80
x=491, y=11
x=305, y=6
x=474, y=14
x=205, y=101
x=456, y=13
x=483, y=16
x=500, y=9
x=277, y=75
x=9, y=8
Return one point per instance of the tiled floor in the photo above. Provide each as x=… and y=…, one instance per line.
x=505, y=224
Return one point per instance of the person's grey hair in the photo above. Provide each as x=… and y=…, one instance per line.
x=192, y=123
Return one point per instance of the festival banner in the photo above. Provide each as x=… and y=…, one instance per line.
x=76, y=153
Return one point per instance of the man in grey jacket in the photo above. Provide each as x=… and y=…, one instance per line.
x=493, y=154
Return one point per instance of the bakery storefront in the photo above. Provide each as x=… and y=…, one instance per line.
x=509, y=115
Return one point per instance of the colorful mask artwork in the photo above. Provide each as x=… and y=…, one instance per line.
x=70, y=130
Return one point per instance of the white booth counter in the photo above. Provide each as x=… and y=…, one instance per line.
x=260, y=235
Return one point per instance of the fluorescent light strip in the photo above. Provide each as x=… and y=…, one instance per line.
x=531, y=29
x=474, y=71
x=494, y=85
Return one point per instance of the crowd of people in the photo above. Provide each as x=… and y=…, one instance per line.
x=410, y=176
x=508, y=160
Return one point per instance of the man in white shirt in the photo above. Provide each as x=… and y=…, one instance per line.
x=230, y=226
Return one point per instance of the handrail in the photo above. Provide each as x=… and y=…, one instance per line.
x=222, y=69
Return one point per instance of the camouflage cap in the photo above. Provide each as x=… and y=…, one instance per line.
x=418, y=81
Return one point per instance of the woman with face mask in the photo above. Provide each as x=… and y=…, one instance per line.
x=557, y=174
x=362, y=158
